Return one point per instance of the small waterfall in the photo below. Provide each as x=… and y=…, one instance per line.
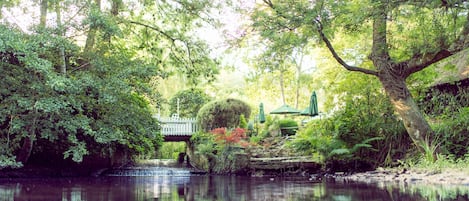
x=154, y=167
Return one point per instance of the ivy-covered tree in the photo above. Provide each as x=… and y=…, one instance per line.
x=405, y=37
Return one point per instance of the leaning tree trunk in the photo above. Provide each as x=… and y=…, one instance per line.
x=393, y=77
x=416, y=125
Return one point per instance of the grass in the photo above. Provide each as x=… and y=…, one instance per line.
x=442, y=163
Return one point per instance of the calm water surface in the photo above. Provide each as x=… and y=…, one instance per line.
x=221, y=188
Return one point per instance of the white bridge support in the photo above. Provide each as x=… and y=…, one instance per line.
x=175, y=128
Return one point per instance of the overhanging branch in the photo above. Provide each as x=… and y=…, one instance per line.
x=155, y=29
x=173, y=41
x=337, y=57
x=420, y=61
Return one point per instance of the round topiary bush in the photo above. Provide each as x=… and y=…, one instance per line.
x=222, y=113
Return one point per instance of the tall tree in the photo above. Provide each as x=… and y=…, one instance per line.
x=91, y=36
x=407, y=36
x=43, y=15
x=60, y=33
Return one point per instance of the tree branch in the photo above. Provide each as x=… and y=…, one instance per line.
x=169, y=37
x=337, y=57
x=155, y=29
x=420, y=61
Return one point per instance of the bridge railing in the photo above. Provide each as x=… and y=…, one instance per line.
x=176, y=126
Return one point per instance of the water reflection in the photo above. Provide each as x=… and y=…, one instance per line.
x=225, y=188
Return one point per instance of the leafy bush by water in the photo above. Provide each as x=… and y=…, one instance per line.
x=366, y=130
x=219, y=151
x=452, y=131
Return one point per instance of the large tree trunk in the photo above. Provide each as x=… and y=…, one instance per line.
x=393, y=76
x=416, y=125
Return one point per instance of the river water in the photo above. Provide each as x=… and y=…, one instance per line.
x=174, y=185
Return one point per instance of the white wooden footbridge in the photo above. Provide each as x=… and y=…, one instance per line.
x=175, y=128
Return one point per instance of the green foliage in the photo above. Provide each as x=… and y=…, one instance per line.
x=222, y=113
x=452, y=132
x=393, y=33
x=265, y=130
x=163, y=34
x=444, y=99
x=317, y=137
x=446, y=106
x=171, y=150
x=242, y=122
x=8, y=161
x=206, y=150
x=99, y=20
x=288, y=126
x=94, y=111
x=365, y=129
x=190, y=102
x=219, y=149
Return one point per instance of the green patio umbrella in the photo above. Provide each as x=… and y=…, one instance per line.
x=305, y=112
x=313, y=105
x=285, y=109
x=312, y=109
x=261, y=113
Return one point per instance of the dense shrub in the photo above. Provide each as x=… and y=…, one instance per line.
x=446, y=106
x=221, y=150
x=452, y=133
x=366, y=130
x=445, y=98
x=288, y=126
x=222, y=114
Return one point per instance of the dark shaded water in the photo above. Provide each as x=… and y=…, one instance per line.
x=223, y=188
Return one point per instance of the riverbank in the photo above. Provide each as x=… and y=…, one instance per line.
x=402, y=175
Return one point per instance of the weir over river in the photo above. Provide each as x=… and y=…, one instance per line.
x=174, y=184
